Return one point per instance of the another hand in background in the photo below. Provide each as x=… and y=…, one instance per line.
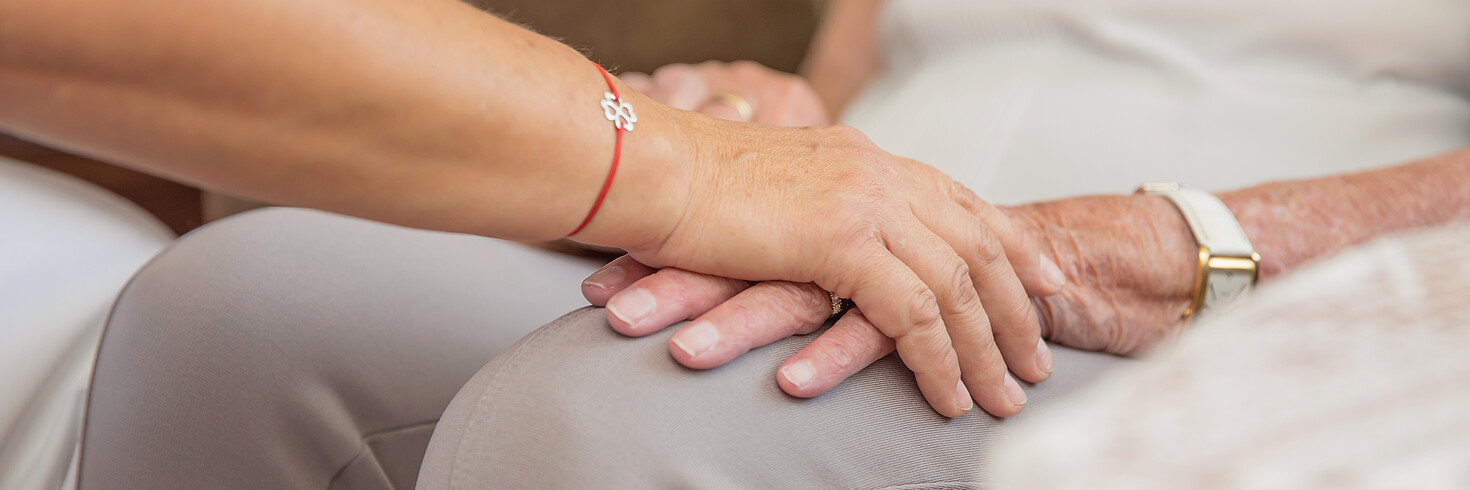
x=1129, y=265
x=770, y=97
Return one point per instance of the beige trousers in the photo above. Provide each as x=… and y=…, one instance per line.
x=295, y=349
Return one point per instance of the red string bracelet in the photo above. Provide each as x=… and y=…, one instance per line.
x=622, y=116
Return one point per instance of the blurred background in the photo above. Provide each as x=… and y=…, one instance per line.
x=624, y=35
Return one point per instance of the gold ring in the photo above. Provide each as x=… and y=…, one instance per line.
x=740, y=104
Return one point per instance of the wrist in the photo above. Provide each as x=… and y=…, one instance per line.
x=1264, y=211
x=652, y=187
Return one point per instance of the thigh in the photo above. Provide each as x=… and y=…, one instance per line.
x=287, y=348
x=575, y=405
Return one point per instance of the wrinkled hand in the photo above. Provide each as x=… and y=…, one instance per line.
x=776, y=98
x=1129, y=262
x=1132, y=265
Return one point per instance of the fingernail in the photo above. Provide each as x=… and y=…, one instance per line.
x=697, y=338
x=1043, y=356
x=1014, y=392
x=966, y=401
x=632, y=306
x=605, y=278
x=799, y=373
x=1051, y=273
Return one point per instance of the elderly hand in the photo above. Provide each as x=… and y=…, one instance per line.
x=1129, y=264
x=771, y=97
x=1132, y=264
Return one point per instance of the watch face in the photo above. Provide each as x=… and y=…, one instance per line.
x=1226, y=285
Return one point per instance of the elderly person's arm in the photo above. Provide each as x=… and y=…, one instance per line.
x=1136, y=261
x=1131, y=263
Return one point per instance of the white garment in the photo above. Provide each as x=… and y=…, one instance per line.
x=1352, y=376
x=1350, y=373
x=66, y=249
x=1025, y=100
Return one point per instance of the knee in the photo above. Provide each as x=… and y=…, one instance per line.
x=193, y=299
x=576, y=405
x=287, y=324
x=247, y=295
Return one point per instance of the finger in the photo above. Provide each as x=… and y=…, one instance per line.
x=666, y=297
x=760, y=315
x=775, y=98
x=1038, y=273
x=721, y=110
x=1013, y=320
x=613, y=277
x=965, y=319
x=638, y=81
x=738, y=79
x=779, y=99
x=682, y=87
x=905, y=309
x=849, y=346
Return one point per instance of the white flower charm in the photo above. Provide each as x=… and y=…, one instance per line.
x=619, y=112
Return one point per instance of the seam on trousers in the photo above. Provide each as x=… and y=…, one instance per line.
x=475, y=412
x=937, y=484
x=365, y=449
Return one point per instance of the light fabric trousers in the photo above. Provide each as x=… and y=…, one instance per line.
x=287, y=348
x=295, y=349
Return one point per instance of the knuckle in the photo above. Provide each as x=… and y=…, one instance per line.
x=927, y=351
x=964, y=286
x=987, y=251
x=806, y=302
x=925, y=309
x=858, y=232
x=865, y=174
x=854, y=242
x=859, y=183
x=963, y=195
x=839, y=357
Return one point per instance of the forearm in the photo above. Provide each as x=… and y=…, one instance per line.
x=844, y=54
x=1293, y=222
x=1132, y=263
x=429, y=114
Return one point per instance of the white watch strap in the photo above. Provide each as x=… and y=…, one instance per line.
x=1215, y=230
x=1212, y=223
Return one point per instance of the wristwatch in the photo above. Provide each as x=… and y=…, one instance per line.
x=1228, y=264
